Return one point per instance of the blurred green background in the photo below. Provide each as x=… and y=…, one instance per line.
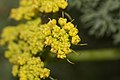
x=99, y=60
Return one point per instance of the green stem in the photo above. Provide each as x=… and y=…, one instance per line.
x=93, y=55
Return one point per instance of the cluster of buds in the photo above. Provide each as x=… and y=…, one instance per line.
x=28, y=41
x=31, y=8
x=60, y=35
x=30, y=68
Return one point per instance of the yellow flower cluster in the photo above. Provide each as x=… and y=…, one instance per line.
x=34, y=36
x=9, y=34
x=31, y=69
x=15, y=50
x=28, y=41
x=25, y=65
x=31, y=8
x=23, y=40
x=60, y=36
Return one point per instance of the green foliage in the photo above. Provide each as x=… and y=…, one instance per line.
x=101, y=17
